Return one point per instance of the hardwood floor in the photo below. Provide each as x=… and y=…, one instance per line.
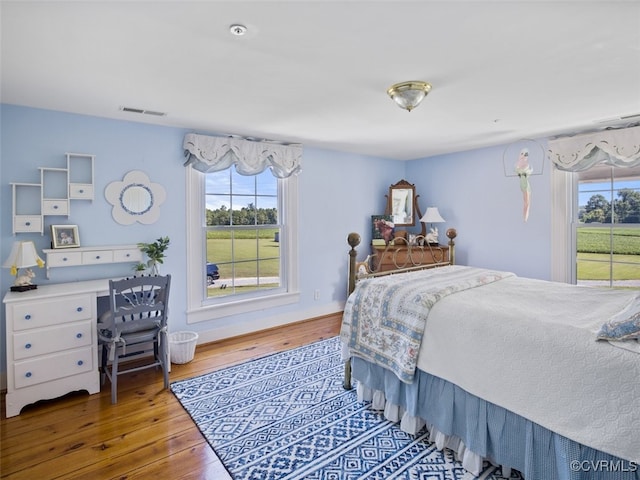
x=147, y=434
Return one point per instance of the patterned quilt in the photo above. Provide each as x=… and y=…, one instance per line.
x=385, y=317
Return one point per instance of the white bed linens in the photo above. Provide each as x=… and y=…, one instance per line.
x=385, y=317
x=530, y=346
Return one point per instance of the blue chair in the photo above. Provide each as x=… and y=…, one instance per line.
x=135, y=325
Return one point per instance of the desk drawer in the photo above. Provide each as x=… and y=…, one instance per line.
x=34, y=342
x=53, y=312
x=97, y=256
x=67, y=258
x=51, y=367
x=127, y=255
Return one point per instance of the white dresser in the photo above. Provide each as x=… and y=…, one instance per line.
x=51, y=342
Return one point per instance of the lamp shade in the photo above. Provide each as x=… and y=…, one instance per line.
x=408, y=95
x=432, y=215
x=23, y=255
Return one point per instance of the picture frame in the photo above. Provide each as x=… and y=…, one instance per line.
x=381, y=236
x=65, y=236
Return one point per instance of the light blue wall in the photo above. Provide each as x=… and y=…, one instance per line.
x=338, y=193
x=474, y=196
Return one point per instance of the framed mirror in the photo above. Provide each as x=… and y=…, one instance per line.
x=402, y=204
x=135, y=199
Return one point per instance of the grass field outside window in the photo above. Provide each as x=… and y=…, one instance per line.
x=606, y=254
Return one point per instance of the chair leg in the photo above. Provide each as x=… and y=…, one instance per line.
x=103, y=365
x=165, y=363
x=114, y=378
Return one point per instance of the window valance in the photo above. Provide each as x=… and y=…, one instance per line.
x=616, y=147
x=211, y=154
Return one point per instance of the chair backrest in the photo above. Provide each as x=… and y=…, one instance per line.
x=139, y=298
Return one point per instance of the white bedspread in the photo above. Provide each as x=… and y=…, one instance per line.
x=529, y=346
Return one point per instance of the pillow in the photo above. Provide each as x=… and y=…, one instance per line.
x=622, y=326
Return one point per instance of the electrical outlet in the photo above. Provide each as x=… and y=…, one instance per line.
x=316, y=295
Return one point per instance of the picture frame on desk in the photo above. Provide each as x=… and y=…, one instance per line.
x=65, y=236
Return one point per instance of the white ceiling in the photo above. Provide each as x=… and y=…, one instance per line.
x=316, y=72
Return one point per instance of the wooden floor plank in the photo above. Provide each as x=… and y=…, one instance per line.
x=147, y=434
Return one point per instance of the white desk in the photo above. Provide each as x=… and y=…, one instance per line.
x=52, y=346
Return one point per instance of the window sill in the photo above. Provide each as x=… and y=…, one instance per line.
x=212, y=312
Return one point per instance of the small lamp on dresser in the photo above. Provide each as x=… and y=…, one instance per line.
x=23, y=255
x=432, y=215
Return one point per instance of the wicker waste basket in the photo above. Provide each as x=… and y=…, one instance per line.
x=182, y=346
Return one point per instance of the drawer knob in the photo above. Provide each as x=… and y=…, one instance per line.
x=78, y=335
x=79, y=309
x=64, y=259
x=55, y=207
x=28, y=345
x=80, y=362
x=82, y=190
x=28, y=374
x=97, y=257
x=27, y=317
x=28, y=224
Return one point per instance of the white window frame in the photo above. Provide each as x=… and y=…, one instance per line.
x=199, y=306
x=563, y=239
x=564, y=203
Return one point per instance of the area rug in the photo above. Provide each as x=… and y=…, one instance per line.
x=287, y=416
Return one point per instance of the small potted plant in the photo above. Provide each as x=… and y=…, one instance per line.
x=155, y=253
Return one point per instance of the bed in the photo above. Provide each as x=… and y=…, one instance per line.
x=535, y=376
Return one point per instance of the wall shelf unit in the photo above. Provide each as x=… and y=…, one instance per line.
x=52, y=196
x=79, y=256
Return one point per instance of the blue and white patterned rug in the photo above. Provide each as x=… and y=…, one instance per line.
x=286, y=416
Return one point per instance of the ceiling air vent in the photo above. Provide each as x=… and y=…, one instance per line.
x=142, y=111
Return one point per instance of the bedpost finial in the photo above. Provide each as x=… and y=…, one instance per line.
x=353, y=239
x=451, y=233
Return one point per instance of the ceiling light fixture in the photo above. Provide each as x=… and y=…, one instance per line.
x=408, y=95
x=238, y=29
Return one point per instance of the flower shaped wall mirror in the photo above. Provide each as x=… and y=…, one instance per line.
x=135, y=199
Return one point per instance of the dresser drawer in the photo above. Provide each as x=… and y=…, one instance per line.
x=52, y=312
x=55, y=207
x=51, y=367
x=97, y=256
x=34, y=342
x=27, y=223
x=68, y=258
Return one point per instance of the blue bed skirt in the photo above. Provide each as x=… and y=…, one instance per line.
x=493, y=432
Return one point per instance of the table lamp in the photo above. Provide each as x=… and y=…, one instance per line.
x=23, y=255
x=432, y=215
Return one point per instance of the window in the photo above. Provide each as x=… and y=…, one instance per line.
x=607, y=226
x=246, y=226
x=242, y=233
x=594, y=189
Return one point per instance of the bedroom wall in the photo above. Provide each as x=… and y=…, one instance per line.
x=338, y=193
x=474, y=196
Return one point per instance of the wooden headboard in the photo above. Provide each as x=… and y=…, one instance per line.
x=402, y=255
